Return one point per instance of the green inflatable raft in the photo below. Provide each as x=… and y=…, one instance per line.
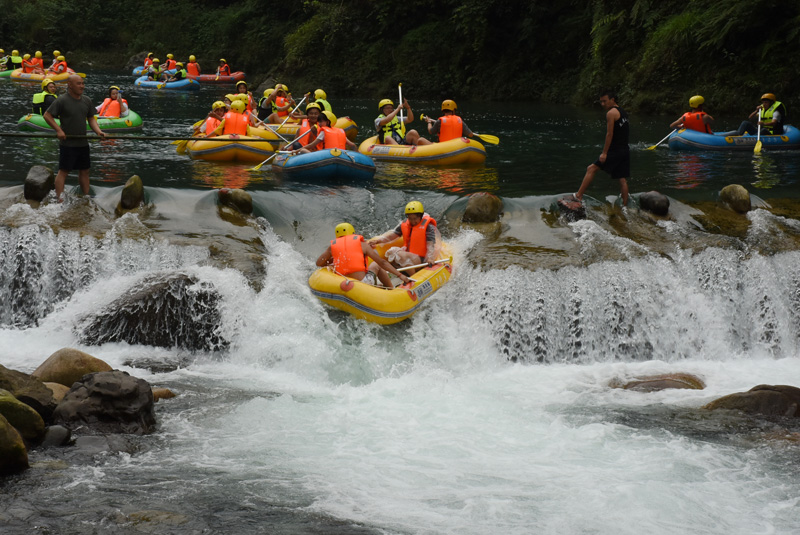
x=132, y=122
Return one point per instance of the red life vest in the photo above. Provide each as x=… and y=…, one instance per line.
x=305, y=127
x=334, y=138
x=235, y=123
x=39, y=62
x=348, y=256
x=450, y=127
x=280, y=102
x=693, y=120
x=147, y=62
x=211, y=124
x=110, y=108
x=414, y=238
x=170, y=64
x=59, y=67
x=193, y=68
x=225, y=70
x=28, y=66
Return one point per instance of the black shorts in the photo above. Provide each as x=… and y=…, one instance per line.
x=73, y=158
x=617, y=164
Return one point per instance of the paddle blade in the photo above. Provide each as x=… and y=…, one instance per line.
x=757, y=148
x=488, y=138
x=181, y=148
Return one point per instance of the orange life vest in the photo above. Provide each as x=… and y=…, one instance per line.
x=235, y=123
x=334, y=138
x=225, y=70
x=147, y=62
x=59, y=67
x=28, y=66
x=280, y=102
x=450, y=127
x=211, y=124
x=110, y=108
x=348, y=257
x=414, y=238
x=693, y=120
x=305, y=127
x=39, y=62
x=170, y=64
x=193, y=68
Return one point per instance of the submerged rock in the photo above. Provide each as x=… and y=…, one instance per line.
x=765, y=400
x=13, y=455
x=174, y=310
x=238, y=199
x=483, y=207
x=56, y=435
x=29, y=390
x=67, y=365
x=163, y=393
x=39, y=182
x=132, y=196
x=654, y=202
x=572, y=208
x=108, y=402
x=653, y=383
x=736, y=197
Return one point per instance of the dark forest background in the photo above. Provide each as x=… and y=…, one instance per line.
x=655, y=53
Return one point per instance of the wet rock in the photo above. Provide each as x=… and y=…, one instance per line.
x=765, y=400
x=28, y=390
x=654, y=202
x=58, y=390
x=238, y=199
x=108, y=402
x=736, y=197
x=22, y=417
x=39, y=182
x=13, y=455
x=483, y=207
x=163, y=393
x=67, y=365
x=56, y=436
x=90, y=445
x=174, y=310
x=573, y=209
x=653, y=383
x=132, y=196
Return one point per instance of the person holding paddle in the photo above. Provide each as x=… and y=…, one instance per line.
x=772, y=117
x=223, y=69
x=448, y=126
x=421, y=239
x=696, y=119
x=391, y=131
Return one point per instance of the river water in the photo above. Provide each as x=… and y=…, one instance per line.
x=487, y=412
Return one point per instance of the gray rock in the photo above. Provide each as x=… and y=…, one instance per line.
x=55, y=436
x=238, y=199
x=132, y=194
x=765, y=400
x=483, y=207
x=39, y=182
x=736, y=197
x=654, y=202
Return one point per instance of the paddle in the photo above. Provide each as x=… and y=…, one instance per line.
x=256, y=168
x=425, y=264
x=181, y=144
x=400, y=98
x=488, y=138
x=757, y=148
x=283, y=123
x=652, y=147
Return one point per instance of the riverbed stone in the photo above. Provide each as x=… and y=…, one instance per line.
x=163, y=393
x=654, y=383
x=67, y=365
x=483, y=207
x=654, y=202
x=58, y=390
x=108, y=402
x=238, y=199
x=736, y=197
x=38, y=183
x=29, y=390
x=571, y=208
x=132, y=196
x=765, y=400
x=24, y=418
x=13, y=454
x=56, y=436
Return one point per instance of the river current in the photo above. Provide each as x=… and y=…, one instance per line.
x=490, y=410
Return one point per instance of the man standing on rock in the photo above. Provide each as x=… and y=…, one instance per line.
x=73, y=109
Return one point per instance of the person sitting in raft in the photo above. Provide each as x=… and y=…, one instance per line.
x=42, y=101
x=283, y=104
x=319, y=98
x=213, y=119
x=28, y=64
x=448, y=126
x=170, y=63
x=154, y=71
x=234, y=122
x=696, y=119
x=180, y=73
x=56, y=53
x=241, y=89
x=3, y=59
x=15, y=60
x=148, y=60
x=114, y=105
x=251, y=117
x=773, y=117
x=329, y=136
x=421, y=239
x=348, y=255
x=223, y=69
x=391, y=131
x=60, y=67
x=309, y=128
x=37, y=58
x=193, y=68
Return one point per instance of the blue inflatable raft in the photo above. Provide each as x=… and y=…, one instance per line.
x=693, y=140
x=186, y=84
x=139, y=71
x=328, y=164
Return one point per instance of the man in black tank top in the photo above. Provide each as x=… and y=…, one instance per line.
x=616, y=157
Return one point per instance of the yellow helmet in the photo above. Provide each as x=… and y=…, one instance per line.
x=268, y=92
x=230, y=96
x=156, y=60
x=2, y=51
x=15, y=52
x=281, y=87
x=319, y=93
x=222, y=60
x=330, y=116
x=238, y=106
x=217, y=105
x=192, y=58
x=770, y=96
x=56, y=53
x=170, y=56
x=61, y=58
x=449, y=105
x=179, y=64
x=344, y=229
x=38, y=54
x=414, y=207
x=26, y=56
x=149, y=54
x=384, y=102
x=114, y=87
x=241, y=82
x=46, y=82
x=696, y=101
x=313, y=105
x=241, y=96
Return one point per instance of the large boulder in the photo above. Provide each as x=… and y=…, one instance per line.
x=59, y=391
x=108, y=402
x=483, y=207
x=654, y=202
x=238, y=199
x=766, y=400
x=736, y=197
x=653, y=383
x=24, y=419
x=13, y=454
x=29, y=390
x=173, y=310
x=67, y=365
x=39, y=182
x=132, y=195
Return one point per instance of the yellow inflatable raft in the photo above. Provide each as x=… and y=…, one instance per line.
x=245, y=149
x=289, y=130
x=459, y=151
x=375, y=303
x=20, y=76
